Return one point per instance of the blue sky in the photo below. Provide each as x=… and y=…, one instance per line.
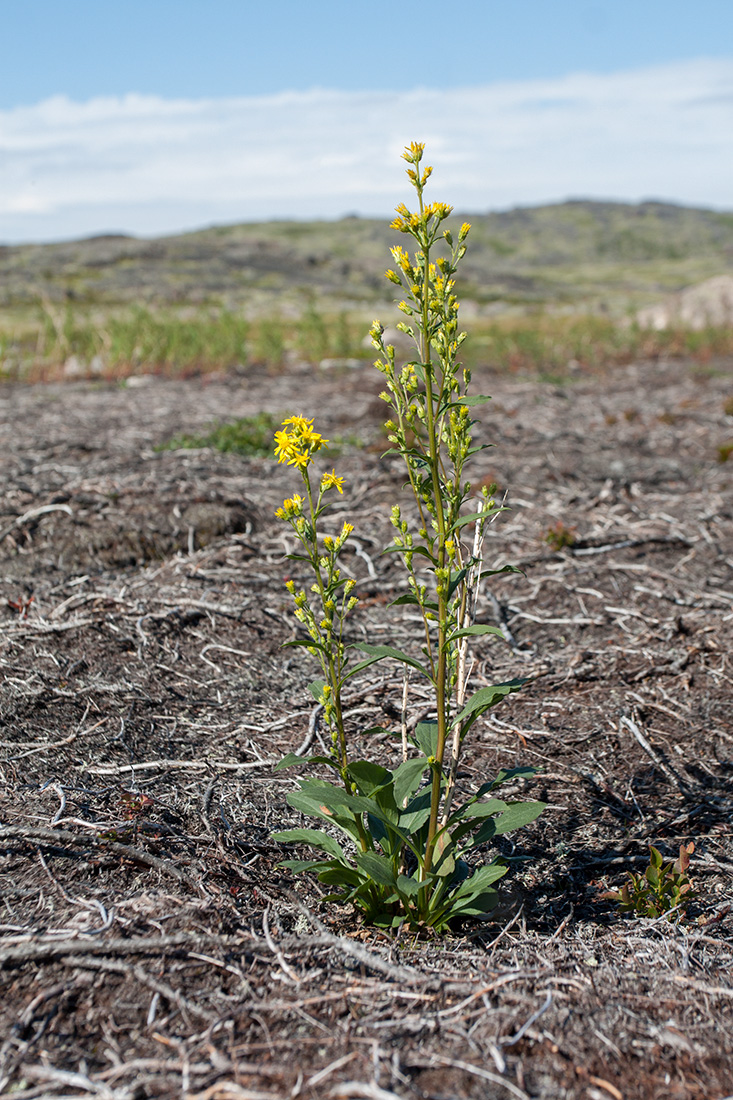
x=161, y=115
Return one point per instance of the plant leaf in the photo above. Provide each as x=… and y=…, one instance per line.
x=315, y=837
x=315, y=687
x=487, y=697
x=380, y=651
x=377, y=867
x=479, y=881
x=369, y=777
x=407, y=779
x=426, y=737
x=480, y=809
x=478, y=629
x=517, y=815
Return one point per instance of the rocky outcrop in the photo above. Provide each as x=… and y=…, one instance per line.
x=695, y=307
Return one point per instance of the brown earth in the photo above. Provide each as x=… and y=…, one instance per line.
x=151, y=947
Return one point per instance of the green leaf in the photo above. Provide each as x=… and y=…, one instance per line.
x=316, y=689
x=316, y=803
x=369, y=777
x=504, y=568
x=483, y=834
x=478, y=629
x=340, y=875
x=408, y=887
x=381, y=651
x=297, y=866
x=409, y=598
x=407, y=778
x=479, y=881
x=517, y=815
x=359, y=667
x=455, y=580
x=480, y=809
x=290, y=760
x=377, y=867
x=471, y=518
x=417, y=812
x=393, y=548
x=315, y=837
x=426, y=737
x=480, y=905
x=523, y=772
x=487, y=697
x=444, y=859
x=471, y=402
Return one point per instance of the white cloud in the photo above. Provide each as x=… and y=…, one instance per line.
x=148, y=165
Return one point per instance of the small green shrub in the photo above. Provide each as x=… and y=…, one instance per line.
x=663, y=890
x=560, y=536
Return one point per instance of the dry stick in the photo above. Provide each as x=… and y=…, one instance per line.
x=312, y=728
x=34, y=514
x=20, y=953
x=166, y=765
x=284, y=964
x=484, y=1074
x=528, y=1023
x=52, y=836
x=663, y=539
x=365, y=1090
x=654, y=756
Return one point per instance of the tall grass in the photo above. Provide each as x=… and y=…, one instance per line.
x=141, y=339
x=553, y=344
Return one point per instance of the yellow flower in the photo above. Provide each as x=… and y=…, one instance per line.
x=312, y=440
x=332, y=481
x=293, y=506
x=299, y=459
x=299, y=423
x=285, y=447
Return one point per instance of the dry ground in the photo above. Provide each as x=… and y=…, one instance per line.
x=150, y=947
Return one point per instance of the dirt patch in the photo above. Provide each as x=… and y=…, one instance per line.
x=151, y=947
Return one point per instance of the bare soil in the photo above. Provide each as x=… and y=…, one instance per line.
x=151, y=947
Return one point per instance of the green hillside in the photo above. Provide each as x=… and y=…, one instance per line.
x=577, y=253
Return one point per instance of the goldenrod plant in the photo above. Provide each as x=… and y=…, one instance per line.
x=411, y=851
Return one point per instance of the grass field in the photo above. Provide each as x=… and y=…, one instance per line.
x=78, y=342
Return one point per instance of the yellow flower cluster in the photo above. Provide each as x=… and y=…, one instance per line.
x=332, y=481
x=297, y=442
x=292, y=507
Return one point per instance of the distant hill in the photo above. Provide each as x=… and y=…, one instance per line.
x=574, y=252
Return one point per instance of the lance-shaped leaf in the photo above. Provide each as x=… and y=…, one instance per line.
x=407, y=778
x=518, y=814
x=315, y=837
x=475, y=631
x=377, y=867
x=379, y=652
x=485, y=698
